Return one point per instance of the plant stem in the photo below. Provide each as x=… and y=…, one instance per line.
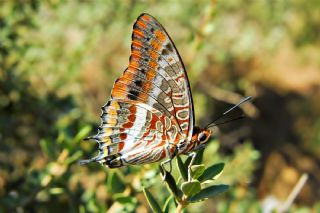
x=180, y=207
x=294, y=193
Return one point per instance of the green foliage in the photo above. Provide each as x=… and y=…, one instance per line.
x=197, y=171
x=169, y=179
x=182, y=169
x=189, y=191
x=211, y=172
x=152, y=201
x=191, y=188
x=169, y=205
x=115, y=184
x=58, y=62
x=208, y=192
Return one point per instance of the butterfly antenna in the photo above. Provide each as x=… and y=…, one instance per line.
x=227, y=121
x=213, y=123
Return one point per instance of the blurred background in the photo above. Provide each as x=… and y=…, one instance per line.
x=58, y=62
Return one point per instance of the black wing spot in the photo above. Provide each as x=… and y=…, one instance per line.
x=133, y=94
x=165, y=52
x=169, y=47
x=132, y=97
x=143, y=70
x=152, y=29
x=139, y=83
x=114, y=161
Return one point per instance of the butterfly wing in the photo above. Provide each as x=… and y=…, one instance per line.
x=151, y=103
x=153, y=51
x=133, y=133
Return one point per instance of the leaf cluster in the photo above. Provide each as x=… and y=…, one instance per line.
x=185, y=191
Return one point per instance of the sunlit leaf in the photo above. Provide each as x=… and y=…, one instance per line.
x=82, y=133
x=152, y=201
x=182, y=169
x=45, y=179
x=171, y=183
x=121, y=198
x=191, y=188
x=114, y=183
x=47, y=148
x=168, y=205
x=197, y=170
x=211, y=172
x=74, y=157
x=199, y=157
x=129, y=202
x=56, y=191
x=208, y=192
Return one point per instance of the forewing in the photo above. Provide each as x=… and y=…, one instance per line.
x=156, y=74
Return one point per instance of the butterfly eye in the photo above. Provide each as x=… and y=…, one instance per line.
x=202, y=137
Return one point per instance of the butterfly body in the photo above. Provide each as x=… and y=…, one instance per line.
x=150, y=115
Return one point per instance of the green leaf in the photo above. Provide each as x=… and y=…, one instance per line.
x=56, y=191
x=152, y=201
x=187, y=162
x=129, y=202
x=123, y=199
x=169, y=204
x=74, y=157
x=197, y=170
x=82, y=133
x=114, y=183
x=208, y=192
x=171, y=184
x=191, y=188
x=211, y=172
x=47, y=148
x=182, y=169
x=199, y=157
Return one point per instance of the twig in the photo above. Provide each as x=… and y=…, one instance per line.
x=179, y=208
x=181, y=205
x=294, y=193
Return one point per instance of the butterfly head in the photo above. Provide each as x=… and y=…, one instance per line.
x=201, y=136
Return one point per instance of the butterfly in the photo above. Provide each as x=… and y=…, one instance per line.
x=150, y=116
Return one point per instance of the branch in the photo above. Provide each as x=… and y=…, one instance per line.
x=294, y=193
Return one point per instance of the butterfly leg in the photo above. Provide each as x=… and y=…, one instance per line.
x=193, y=157
x=168, y=161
